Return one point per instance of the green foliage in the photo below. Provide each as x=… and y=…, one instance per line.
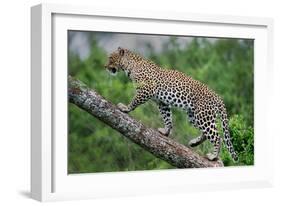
x=225, y=65
x=243, y=142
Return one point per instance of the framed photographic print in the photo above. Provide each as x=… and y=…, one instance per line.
x=137, y=102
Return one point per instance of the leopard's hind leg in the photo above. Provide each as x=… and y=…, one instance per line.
x=200, y=139
x=166, y=114
x=196, y=141
x=211, y=133
x=206, y=123
x=216, y=141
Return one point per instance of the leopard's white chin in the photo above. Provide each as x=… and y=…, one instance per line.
x=112, y=73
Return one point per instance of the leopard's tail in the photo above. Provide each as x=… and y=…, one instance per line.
x=225, y=128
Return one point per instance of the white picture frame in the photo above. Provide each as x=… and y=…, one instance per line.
x=49, y=178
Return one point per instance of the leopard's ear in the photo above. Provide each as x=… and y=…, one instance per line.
x=121, y=51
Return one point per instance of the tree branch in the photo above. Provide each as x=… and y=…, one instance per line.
x=160, y=146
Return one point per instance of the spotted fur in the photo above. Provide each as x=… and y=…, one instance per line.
x=173, y=88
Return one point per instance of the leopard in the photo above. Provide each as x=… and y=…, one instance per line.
x=171, y=88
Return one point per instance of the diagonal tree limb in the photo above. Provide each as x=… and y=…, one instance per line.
x=160, y=146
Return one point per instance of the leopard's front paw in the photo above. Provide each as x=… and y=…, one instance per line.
x=164, y=131
x=123, y=107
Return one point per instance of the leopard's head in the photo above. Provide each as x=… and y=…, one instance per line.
x=114, y=63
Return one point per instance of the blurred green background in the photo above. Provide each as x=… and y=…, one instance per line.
x=225, y=65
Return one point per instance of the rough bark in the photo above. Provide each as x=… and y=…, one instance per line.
x=151, y=140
